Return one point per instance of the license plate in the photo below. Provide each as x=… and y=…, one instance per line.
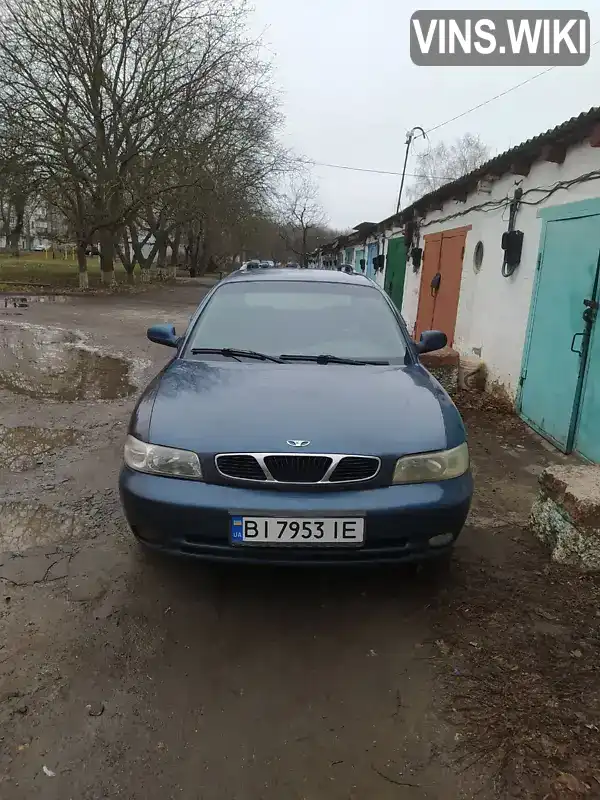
x=297, y=530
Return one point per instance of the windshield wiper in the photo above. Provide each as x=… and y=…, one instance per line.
x=232, y=352
x=327, y=359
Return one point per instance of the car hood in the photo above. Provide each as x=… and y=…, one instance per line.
x=216, y=406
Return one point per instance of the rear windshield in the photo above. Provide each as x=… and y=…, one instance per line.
x=300, y=318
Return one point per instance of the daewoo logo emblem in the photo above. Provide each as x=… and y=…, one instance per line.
x=298, y=442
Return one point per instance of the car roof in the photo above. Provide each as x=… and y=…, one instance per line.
x=308, y=275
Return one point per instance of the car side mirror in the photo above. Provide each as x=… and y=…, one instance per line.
x=430, y=341
x=163, y=334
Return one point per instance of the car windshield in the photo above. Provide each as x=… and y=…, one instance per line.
x=300, y=318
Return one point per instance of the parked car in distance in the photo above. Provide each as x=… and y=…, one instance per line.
x=250, y=265
x=267, y=264
x=292, y=265
x=352, y=452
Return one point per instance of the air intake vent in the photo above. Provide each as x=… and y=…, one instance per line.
x=245, y=467
x=298, y=469
x=321, y=468
x=355, y=468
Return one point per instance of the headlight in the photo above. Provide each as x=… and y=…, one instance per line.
x=159, y=460
x=427, y=467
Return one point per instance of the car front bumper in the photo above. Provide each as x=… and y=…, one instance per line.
x=192, y=518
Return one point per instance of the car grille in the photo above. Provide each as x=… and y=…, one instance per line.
x=243, y=467
x=355, y=468
x=297, y=469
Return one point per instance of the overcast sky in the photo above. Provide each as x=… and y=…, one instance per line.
x=350, y=92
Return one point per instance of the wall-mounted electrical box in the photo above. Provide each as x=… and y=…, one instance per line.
x=512, y=244
x=415, y=256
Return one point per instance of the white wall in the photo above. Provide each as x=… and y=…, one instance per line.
x=493, y=310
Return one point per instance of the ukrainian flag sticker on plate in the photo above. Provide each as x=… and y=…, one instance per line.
x=237, y=529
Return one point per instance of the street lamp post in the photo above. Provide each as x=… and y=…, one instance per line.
x=409, y=139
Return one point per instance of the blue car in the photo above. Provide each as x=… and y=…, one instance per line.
x=295, y=425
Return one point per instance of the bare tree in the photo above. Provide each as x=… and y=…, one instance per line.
x=447, y=162
x=19, y=183
x=301, y=217
x=129, y=105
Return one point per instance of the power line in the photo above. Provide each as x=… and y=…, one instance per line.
x=446, y=122
x=490, y=99
x=364, y=169
x=498, y=96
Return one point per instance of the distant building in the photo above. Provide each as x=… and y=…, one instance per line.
x=43, y=225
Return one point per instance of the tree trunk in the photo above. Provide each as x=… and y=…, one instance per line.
x=195, y=256
x=107, y=258
x=162, y=255
x=16, y=232
x=175, y=245
x=144, y=261
x=189, y=254
x=82, y=265
x=127, y=258
x=174, y=260
x=206, y=256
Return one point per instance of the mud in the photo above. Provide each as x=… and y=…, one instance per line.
x=25, y=446
x=25, y=525
x=24, y=301
x=237, y=684
x=51, y=364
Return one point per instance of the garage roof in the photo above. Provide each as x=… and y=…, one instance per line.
x=551, y=146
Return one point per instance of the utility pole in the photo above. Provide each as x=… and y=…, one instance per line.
x=410, y=135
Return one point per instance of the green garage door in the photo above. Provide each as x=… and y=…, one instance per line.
x=395, y=270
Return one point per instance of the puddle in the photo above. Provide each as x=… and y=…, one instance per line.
x=24, y=301
x=25, y=525
x=21, y=448
x=52, y=364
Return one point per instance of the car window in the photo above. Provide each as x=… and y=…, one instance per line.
x=301, y=318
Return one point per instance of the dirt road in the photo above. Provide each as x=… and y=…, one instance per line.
x=123, y=677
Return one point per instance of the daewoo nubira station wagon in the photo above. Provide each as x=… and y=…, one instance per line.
x=295, y=425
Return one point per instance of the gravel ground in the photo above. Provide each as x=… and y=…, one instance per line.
x=123, y=677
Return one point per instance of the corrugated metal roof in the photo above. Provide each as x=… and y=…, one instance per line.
x=568, y=133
